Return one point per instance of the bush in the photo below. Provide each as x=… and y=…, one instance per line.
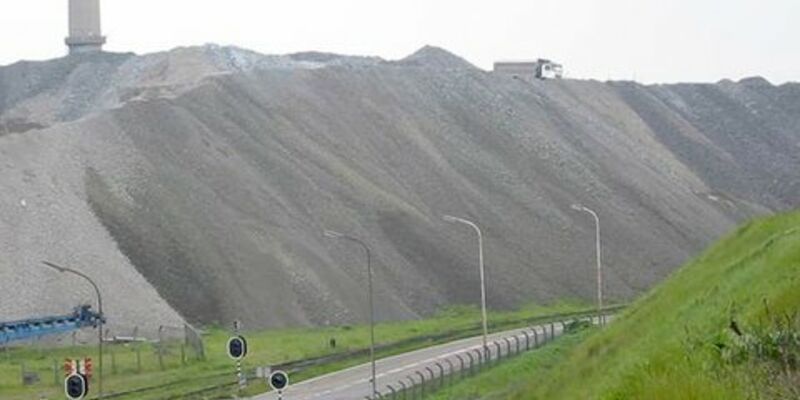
x=767, y=355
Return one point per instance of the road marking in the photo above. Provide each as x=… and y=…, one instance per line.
x=430, y=358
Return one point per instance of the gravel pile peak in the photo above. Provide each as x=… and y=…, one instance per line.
x=195, y=183
x=435, y=57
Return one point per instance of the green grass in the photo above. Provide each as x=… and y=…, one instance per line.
x=265, y=348
x=676, y=342
x=502, y=381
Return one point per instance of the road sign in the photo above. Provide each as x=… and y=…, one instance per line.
x=76, y=387
x=82, y=367
x=279, y=380
x=237, y=347
x=237, y=350
x=70, y=367
x=86, y=368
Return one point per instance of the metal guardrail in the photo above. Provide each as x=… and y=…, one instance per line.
x=303, y=364
x=435, y=376
x=297, y=366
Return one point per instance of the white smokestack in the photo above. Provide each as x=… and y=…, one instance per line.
x=85, y=34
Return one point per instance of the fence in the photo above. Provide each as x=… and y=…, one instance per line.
x=129, y=353
x=133, y=355
x=297, y=366
x=446, y=371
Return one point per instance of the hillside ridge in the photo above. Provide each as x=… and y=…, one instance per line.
x=713, y=330
x=222, y=173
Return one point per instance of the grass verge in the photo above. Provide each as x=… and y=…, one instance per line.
x=723, y=327
x=137, y=366
x=501, y=381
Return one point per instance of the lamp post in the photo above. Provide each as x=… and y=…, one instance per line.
x=578, y=207
x=99, y=328
x=452, y=219
x=338, y=235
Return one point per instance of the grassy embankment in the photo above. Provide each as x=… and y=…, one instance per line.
x=266, y=348
x=724, y=327
x=511, y=376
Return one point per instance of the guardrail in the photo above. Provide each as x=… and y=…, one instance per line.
x=438, y=374
x=297, y=366
x=303, y=364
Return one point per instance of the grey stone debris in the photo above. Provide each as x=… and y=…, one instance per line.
x=194, y=184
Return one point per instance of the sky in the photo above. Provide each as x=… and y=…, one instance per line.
x=650, y=41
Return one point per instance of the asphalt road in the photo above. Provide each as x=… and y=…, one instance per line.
x=354, y=383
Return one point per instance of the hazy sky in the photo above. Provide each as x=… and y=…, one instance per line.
x=649, y=40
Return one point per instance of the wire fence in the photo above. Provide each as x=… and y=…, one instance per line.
x=124, y=354
x=127, y=353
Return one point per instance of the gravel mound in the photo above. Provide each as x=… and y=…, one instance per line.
x=34, y=95
x=435, y=57
x=196, y=183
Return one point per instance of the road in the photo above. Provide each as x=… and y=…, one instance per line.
x=354, y=383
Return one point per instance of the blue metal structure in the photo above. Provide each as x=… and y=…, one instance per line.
x=81, y=317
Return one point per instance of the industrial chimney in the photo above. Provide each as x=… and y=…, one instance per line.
x=85, y=35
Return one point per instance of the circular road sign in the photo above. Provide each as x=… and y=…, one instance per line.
x=75, y=387
x=237, y=347
x=279, y=380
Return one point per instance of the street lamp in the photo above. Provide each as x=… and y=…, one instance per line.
x=452, y=219
x=339, y=235
x=578, y=207
x=99, y=328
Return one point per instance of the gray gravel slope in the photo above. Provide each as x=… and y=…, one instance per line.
x=215, y=197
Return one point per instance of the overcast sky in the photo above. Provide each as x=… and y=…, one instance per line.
x=646, y=40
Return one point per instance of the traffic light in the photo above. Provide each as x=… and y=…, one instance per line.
x=279, y=380
x=76, y=387
x=237, y=347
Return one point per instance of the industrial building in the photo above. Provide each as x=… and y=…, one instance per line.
x=85, y=34
x=529, y=70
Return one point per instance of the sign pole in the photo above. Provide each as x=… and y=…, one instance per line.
x=241, y=379
x=239, y=374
